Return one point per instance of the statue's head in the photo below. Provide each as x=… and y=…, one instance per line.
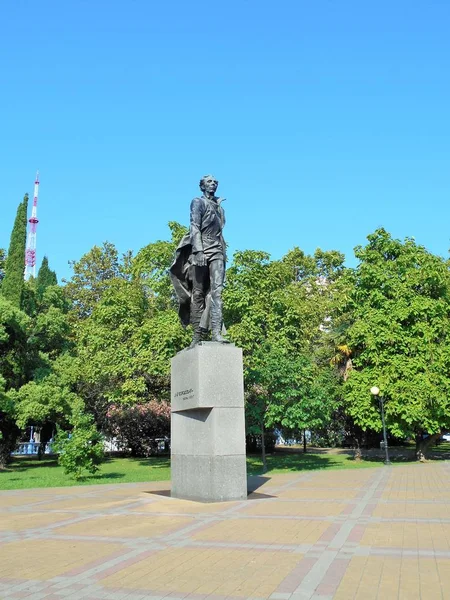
x=209, y=183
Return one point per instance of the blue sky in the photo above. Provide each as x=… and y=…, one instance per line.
x=322, y=120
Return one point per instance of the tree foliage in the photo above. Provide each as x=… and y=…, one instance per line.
x=277, y=312
x=12, y=284
x=15, y=371
x=151, y=266
x=126, y=345
x=82, y=450
x=125, y=341
x=397, y=328
x=45, y=278
x=91, y=277
x=94, y=356
x=32, y=341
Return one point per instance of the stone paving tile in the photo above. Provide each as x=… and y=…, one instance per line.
x=281, y=478
x=173, y=505
x=30, y=495
x=416, y=494
x=293, y=509
x=28, y=520
x=215, y=571
x=91, y=503
x=44, y=559
x=8, y=500
x=432, y=536
x=298, y=493
x=380, y=578
x=410, y=510
x=125, y=526
x=340, y=479
x=263, y=531
x=376, y=533
x=149, y=486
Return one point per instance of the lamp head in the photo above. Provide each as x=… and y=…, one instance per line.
x=374, y=390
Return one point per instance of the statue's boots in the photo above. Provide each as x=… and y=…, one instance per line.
x=198, y=337
x=216, y=331
x=218, y=337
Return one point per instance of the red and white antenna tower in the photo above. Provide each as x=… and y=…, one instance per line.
x=30, y=254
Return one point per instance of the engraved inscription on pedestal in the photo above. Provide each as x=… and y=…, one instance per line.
x=185, y=395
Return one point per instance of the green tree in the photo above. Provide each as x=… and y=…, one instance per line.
x=29, y=302
x=301, y=392
x=396, y=329
x=44, y=394
x=12, y=284
x=15, y=370
x=125, y=347
x=277, y=311
x=51, y=332
x=49, y=399
x=15, y=327
x=288, y=390
x=8, y=428
x=45, y=278
x=43, y=401
x=129, y=328
x=151, y=266
x=289, y=298
x=91, y=277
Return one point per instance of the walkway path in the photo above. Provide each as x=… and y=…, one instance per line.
x=364, y=534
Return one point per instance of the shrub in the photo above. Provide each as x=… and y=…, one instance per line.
x=82, y=450
x=135, y=427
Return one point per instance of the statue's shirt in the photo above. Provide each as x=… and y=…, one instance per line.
x=207, y=222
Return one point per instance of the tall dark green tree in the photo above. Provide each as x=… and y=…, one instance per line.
x=12, y=285
x=45, y=278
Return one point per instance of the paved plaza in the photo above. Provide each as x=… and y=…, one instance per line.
x=354, y=534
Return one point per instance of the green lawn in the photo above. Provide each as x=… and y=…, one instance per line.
x=441, y=451
x=31, y=473
x=281, y=462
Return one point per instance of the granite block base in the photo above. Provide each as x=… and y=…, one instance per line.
x=208, y=460
x=209, y=478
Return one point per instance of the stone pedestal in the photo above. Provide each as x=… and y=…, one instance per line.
x=208, y=424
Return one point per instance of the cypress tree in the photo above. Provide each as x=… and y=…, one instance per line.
x=45, y=277
x=12, y=284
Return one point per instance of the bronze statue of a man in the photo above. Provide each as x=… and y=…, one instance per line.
x=198, y=271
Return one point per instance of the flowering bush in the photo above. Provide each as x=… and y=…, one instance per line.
x=136, y=427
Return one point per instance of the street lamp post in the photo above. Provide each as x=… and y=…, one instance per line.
x=376, y=392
